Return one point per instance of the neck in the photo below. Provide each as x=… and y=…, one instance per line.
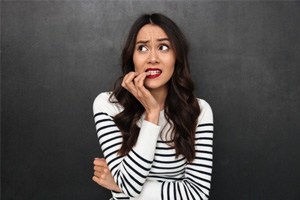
x=160, y=95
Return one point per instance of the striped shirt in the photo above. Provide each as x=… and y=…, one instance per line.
x=151, y=170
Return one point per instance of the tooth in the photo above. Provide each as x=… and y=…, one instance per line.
x=154, y=72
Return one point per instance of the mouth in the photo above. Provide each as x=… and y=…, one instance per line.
x=153, y=73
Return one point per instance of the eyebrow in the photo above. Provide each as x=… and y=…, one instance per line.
x=147, y=41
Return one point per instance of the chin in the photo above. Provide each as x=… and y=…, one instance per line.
x=154, y=86
x=151, y=87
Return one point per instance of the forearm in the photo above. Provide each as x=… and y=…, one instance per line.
x=151, y=191
x=130, y=171
x=135, y=167
x=197, y=175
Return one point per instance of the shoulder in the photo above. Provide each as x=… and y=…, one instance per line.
x=102, y=103
x=206, y=114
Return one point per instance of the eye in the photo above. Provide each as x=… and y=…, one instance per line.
x=142, y=48
x=164, y=47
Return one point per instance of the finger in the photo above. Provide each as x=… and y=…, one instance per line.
x=103, y=176
x=98, y=169
x=106, y=170
x=99, y=158
x=102, y=170
x=97, y=174
x=100, y=162
x=139, y=80
x=128, y=78
x=139, y=85
x=100, y=175
x=98, y=181
x=128, y=83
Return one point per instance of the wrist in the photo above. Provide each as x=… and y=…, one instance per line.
x=152, y=117
x=116, y=189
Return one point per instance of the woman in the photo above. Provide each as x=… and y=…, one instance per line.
x=156, y=136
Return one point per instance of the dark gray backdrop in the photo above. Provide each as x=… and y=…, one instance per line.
x=58, y=55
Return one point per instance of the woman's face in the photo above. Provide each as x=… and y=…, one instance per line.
x=153, y=52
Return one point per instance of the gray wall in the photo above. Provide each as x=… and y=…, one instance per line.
x=58, y=55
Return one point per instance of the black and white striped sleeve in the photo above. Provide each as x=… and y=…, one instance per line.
x=129, y=172
x=196, y=182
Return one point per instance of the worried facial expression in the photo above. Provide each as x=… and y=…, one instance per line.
x=154, y=53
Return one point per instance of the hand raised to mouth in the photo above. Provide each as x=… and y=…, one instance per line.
x=134, y=83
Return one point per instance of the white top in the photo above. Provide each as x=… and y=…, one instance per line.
x=150, y=170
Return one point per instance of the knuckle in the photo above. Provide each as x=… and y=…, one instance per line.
x=139, y=94
x=127, y=82
x=140, y=86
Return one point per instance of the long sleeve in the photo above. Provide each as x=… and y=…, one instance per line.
x=129, y=172
x=197, y=174
x=150, y=171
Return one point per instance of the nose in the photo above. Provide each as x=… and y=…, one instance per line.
x=153, y=57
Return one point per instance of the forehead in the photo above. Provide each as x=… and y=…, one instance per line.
x=151, y=31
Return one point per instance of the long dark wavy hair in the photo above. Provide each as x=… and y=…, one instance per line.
x=181, y=106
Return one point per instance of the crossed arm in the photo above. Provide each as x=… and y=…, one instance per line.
x=117, y=175
x=102, y=175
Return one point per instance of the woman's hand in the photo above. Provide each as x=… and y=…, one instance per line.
x=102, y=175
x=134, y=83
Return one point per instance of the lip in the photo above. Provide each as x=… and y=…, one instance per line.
x=153, y=75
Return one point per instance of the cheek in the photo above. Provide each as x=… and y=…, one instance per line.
x=137, y=61
x=171, y=72
x=172, y=69
x=170, y=64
